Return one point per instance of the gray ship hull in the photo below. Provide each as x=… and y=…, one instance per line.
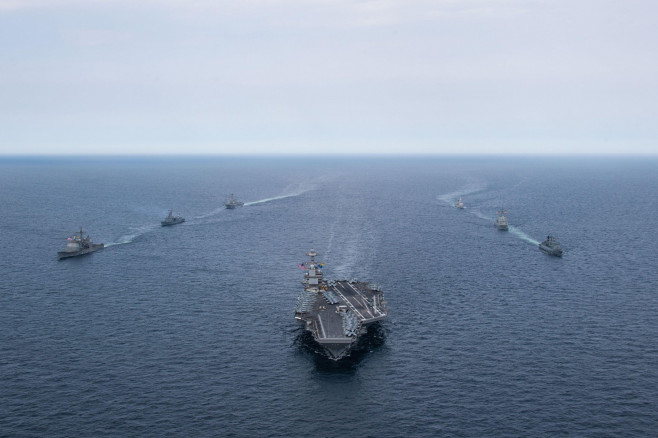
x=551, y=251
x=232, y=203
x=68, y=254
x=173, y=222
x=338, y=316
x=502, y=227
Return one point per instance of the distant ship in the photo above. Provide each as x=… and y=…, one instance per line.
x=232, y=203
x=459, y=203
x=501, y=221
x=78, y=245
x=551, y=246
x=337, y=313
x=172, y=220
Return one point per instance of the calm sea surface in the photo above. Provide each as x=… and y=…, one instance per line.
x=189, y=330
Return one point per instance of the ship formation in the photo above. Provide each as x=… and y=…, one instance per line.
x=337, y=313
x=550, y=246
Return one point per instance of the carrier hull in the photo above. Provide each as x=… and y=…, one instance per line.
x=337, y=313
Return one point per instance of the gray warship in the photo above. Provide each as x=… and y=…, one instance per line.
x=459, y=204
x=172, y=220
x=232, y=203
x=337, y=313
x=78, y=245
x=501, y=221
x=551, y=246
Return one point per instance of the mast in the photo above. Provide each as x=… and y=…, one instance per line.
x=313, y=275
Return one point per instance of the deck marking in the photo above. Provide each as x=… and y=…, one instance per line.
x=349, y=303
x=365, y=299
x=324, y=335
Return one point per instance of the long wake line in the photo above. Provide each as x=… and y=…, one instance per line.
x=447, y=198
x=522, y=235
x=129, y=238
x=276, y=198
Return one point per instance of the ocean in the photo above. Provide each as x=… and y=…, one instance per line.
x=189, y=330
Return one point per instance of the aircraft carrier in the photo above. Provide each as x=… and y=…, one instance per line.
x=337, y=313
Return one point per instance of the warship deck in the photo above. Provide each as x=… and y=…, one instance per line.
x=330, y=317
x=336, y=313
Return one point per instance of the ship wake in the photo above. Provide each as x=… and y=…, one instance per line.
x=471, y=188
x=514, y=230
x=289, y=192
x=137, y=232
x=521, y=235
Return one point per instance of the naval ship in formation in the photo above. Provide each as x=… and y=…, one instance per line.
x=172, y=220
x=232, y=203
x=501, y=221
x=78, y=245
x=337, y=313
x=551, y=246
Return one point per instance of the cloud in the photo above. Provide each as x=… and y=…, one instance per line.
x=95, y=37
x=327, y=70
x=301, y=13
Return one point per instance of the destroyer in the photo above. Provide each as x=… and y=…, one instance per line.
x=337, y=313
x=172, y=220
x=79, y=244
x=551, y=246
x=459, y=204
x=232, y=203
x=501, y=221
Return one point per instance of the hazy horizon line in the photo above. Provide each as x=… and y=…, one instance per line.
x=196, y=156
x=324, y=153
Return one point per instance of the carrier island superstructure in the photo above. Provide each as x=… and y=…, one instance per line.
x=337, y=313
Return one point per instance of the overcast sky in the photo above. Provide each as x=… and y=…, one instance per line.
x=328, y=76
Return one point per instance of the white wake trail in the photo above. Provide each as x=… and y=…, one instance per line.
x=469, y=189
x=129, y=238
x=523, y=236
x=275, y=198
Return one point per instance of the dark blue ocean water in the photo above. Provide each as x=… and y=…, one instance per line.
x=189, y=330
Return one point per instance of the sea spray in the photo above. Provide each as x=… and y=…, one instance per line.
x=523, y=236
x=138, y=231
x=471, y=188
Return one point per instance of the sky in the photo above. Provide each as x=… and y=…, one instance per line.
x=328, y=76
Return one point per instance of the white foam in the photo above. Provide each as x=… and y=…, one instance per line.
x=523, y=236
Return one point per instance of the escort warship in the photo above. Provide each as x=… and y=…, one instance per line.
x=337, y=313
x=232, y=203
x=551, y=246
x=459, y=204
x=501, y=221
x=172, y=220
x=78, y=245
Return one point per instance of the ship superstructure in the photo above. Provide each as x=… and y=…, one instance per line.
x=337, y=313
x=79, y=244
x=232, y=203
x=551, y=246
x=172, y=220
x=501, y=221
